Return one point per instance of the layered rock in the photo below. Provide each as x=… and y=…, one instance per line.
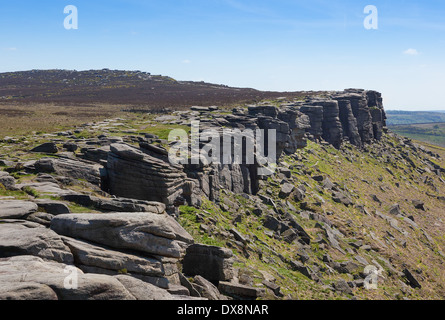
x=134, y=174
x=349, y=122
x=32, y=278
x=32, y=239
x=360, y=109
x=144, y=232
x=331, y=125
x=75, y=169
x=315, y=114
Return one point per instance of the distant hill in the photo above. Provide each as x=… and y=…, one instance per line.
x=414, y=117
x=122, y=87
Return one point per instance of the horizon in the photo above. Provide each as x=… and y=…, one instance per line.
x=277, y=45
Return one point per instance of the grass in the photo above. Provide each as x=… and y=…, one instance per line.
x=22, y=119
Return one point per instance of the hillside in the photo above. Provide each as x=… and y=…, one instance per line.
x=350, y=205
x=116, y=87
x=433, y=133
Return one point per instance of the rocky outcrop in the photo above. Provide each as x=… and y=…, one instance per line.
x=134, y=174
x=360, y=109
x=349, y=122
x=32, y=278
x=6, y=180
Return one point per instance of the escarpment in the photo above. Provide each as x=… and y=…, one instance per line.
x=241, y=218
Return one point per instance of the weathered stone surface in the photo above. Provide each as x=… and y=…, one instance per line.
x=6, y=180
x=331, y=125
x=286, y=190
x=16, y=209
x=360, y=109
x=133, y=174
x=26, y=291
x=213, y=263
x=413, y=282
x=49, y=147
x=45, y=188
x=315, y=114
x=116, y=204
x=52, y=207
x=239, y=291
x=349, y=122
x=142, y=290
x=16, y=240
x=144, y=232
x=41, y=275
x=206, y=289
x=92, y=255
x=75, y=169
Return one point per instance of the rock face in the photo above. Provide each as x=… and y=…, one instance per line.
x=355, y=114
x=144, y=232
x=133, y=174
x=212, y=263
x=331, y=125
x=315, y=114
x=75, y=169
x=349, y=122
x=49, y=147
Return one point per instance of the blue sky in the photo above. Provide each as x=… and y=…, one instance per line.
x=264, y=44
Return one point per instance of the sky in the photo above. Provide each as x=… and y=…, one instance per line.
x=278, y=45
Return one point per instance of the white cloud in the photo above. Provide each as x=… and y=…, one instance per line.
x=186, y=61
x=411, y=52
x=11, y=49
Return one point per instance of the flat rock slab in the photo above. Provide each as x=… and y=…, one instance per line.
x=240, y=291
x=16, y=209
x=28, y=277
x=19, y=239
x=91, y=255
x=144, y=232
x=46, y=188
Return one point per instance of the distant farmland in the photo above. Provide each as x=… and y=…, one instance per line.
x=433, y=133
x=414, y=117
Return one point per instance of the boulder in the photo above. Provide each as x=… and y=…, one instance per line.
x=53, y=207
x=49, y=147
x=286, y=190
x=239, y=291
x=75, y=169
x=144, y=232
x=6, y=180
x=28, y=276
x=16, y=209
x=18, y=239
x=206, y=289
